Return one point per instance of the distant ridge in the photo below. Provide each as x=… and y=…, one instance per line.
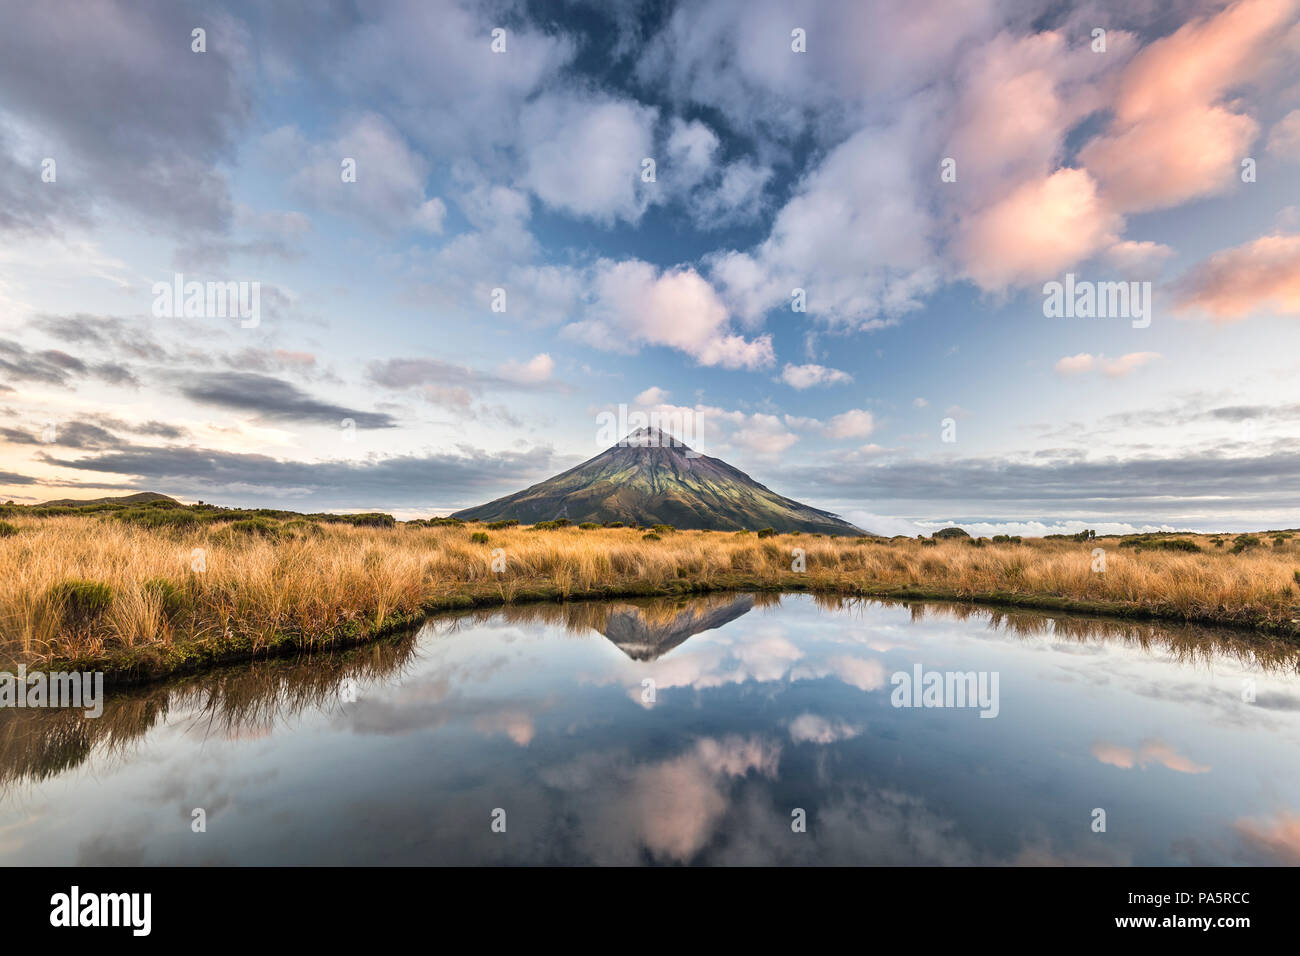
x=652, y=478
x=139, y=498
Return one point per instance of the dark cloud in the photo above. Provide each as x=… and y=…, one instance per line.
x=435, y=373
x=55, y=367
x=447, y=479
x=129, y=113
x=1143, y=486
x=68, y=434
x=274, y=399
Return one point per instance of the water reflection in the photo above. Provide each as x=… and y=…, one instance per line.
x=762, y=706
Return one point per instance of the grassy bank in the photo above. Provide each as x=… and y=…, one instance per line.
x=141, y=601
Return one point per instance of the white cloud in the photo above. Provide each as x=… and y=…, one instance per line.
x=635, y=304
x=856, y=423
x=806, y=376
x=389, y=191
x=536, y=370
x=654, y=395
x=811, y=728
x=583, y=154
x=1138, y=257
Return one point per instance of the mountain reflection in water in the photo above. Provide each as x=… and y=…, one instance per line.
x=763, y=705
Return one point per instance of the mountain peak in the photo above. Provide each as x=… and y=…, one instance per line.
x=651, y=436
x=679, y=487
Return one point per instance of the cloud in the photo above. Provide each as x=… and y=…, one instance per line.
x=1038, y=230
x=445, y=479
x=654, y=395
x=1151, y=751
x=855, y=237
x=533, y=375
x=1206, y=483
x=1260, y=276
x=1111, y=368
x=1174, y=136
x=810, y=728
x=1276, y=839
x=56, y=367
x=1138, y=257
x=535, y=371
x=273, y=399
x=806, y=376
x=1284, y=138
x=636, y=304
x=856, y=423
x=764, y=435
x=583, y=154
x=115, y=95
x=389, y=190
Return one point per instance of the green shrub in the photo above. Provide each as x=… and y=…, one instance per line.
x=498, y=525
x=173, y=599
x=613, y=524
x=7, y=530
x=929, y=543
x=663, y=529
x=479, y=537
x=370, y=520
x=651, y=536
x=176, y=519
x=588, y=525
x=301, y=528
x=80, y=603
x=766, y=532
x=1243, y=541
x=256, y=527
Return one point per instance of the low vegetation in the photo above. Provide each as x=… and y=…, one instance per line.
x=139, y=596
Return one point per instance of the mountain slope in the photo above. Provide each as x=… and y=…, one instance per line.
x=651, y=478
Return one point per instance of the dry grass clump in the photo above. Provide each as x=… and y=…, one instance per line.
x=89, y=587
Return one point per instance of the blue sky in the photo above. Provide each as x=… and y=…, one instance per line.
x=795, y=146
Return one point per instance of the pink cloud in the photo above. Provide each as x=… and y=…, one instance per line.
x=1172, y=138
x=1259, y=276
x=1277, y=839
x=1111, y=368
x=1151, y=751
x=1038, y=230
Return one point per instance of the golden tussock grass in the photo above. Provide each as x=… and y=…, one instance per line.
x=85, y=588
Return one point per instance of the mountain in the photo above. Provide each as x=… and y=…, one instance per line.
x=648, y=631
x=652, y=478
x=136, y=499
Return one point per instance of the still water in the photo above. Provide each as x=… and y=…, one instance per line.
x=729, y=729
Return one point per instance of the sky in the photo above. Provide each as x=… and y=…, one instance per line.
x=821, y=237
